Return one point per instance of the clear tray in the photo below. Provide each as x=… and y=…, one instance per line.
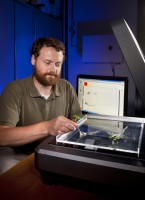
x=106, y=132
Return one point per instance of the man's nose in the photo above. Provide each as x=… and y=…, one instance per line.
x=52, y=65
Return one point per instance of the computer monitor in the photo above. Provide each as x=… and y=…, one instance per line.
x=103, y=95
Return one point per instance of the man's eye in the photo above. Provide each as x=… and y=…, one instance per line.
x=47, y=63
x=58, y=64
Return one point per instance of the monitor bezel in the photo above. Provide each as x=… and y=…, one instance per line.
x=104, y=77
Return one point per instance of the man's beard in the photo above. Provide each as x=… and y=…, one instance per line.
x=47, y=79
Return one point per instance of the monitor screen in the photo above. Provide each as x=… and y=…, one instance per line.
x=103, y=95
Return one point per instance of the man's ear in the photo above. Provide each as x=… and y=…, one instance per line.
x=33, y=60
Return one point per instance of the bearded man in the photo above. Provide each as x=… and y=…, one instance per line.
x=35, y=107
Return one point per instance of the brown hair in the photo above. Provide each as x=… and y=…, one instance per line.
x=48, y=42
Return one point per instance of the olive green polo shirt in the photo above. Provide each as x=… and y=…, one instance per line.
x=21, y=104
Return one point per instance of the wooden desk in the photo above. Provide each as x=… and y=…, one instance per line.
x=23, y=181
